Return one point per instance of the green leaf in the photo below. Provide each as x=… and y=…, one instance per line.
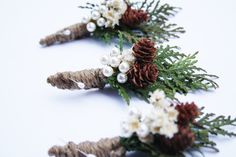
x=121, y=90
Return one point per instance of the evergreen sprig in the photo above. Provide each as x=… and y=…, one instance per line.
x=157, y=28
x=178, y=73
x=210, y=124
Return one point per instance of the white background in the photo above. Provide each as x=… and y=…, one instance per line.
x=34, y=116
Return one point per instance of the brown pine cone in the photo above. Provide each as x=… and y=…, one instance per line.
x=133, y=17
x=142, y=75
x=144, y=51
x=181, y=141
x=187, y=113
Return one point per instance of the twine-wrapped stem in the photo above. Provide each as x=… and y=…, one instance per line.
x=85, y=79
x=109, y=147
x=67, y=34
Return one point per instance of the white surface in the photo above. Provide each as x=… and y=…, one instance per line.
x=34, y=116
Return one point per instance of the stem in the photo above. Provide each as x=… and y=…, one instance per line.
x=67, y=34
x=85, y=79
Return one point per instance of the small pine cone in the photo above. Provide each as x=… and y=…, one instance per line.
x=133, y=17
x=144, y=51
x=181, y=141
x=142, y=75
x=187, y=113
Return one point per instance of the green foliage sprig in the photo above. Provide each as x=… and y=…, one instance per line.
x=208, y=125
x=158, y=28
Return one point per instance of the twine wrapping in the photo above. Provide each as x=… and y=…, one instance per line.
x=67, y=34
x=109, y=147
x=92, y=78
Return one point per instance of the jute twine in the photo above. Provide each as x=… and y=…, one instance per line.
x=92, y=78
x=109, y=147
x=67, y=34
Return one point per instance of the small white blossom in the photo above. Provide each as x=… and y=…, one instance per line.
x=169, y=129
x=130, y=125
x=172, y=113
x=125, y=132
x=143, y=130
x=156, y=96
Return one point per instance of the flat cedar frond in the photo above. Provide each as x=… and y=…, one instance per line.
x=157, y=28
x=178, y=72
x=214, y=125
x=210, y=124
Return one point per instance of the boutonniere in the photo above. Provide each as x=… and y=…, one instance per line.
x=114, y=18
x=142, y=69
x=165, y=129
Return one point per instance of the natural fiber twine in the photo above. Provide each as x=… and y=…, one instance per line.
x=109, y=147
x=67, y=34
x=92, y=78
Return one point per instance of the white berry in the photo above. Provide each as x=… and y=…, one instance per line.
x=86, y=19
x=115, y=62
x=115, y=52
x=95, y=15
x=122, y=78
x=91, y=27
x=102, y=8
x=81, y=85
x=105, y=60
x=67, y=32
x=124, y=67
x=107, y=71
x=101, y=22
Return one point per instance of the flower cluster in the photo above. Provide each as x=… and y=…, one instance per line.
x=159, y=120
x=118, y=62
x=107, y=14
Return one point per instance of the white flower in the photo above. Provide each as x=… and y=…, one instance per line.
x=162, y=103
x=125, y=131
x=114, y=11
x=159, y=119
x=112, y=18
x=156, y=95
x=130, y=125
x=172, y=113
x=169, y=129
x=143, y=131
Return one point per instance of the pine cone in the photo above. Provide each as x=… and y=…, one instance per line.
x=142, y=75
x=144, y=51
x=187, y=113
x=133, y=17
x=181, y=141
